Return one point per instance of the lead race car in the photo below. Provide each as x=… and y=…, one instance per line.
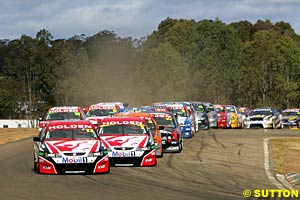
x=128, y=140
x=69, y=147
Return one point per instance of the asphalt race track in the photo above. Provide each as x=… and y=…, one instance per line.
x=215, y=164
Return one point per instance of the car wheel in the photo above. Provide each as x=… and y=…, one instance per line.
x=34, y=166
x=34, y=163
x=180, y=145
x=281, y=125
x=298, y=124
x=161, y=153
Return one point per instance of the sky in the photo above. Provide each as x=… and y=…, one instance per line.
x=132, y=18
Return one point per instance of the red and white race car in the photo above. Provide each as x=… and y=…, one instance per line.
x=70, y=147
x=65, y=113
x=128, y=140
x=99, y=111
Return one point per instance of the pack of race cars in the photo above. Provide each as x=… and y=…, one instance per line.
x=72, y=139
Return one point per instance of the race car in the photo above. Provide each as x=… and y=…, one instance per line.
x=228, y=116
x=211, y=114
x=244, y=112
x=201, y=113
x=183, y=118
x=153, y=128
x=193, y=116
x=69, y=147
x=171, y=134
x=291, y=118
x=66, y=113
x=128, y=141
x=99, y=111
x=264, y=118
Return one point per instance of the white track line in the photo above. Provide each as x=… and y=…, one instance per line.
x=268, y=172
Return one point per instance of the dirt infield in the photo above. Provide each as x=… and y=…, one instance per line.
x=13, y=134
x=285, y=155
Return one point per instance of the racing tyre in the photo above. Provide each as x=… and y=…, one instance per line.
x=161, y=154
x=34, y=164
x=180, y=146
x=298, y=124
x=273, y=125
x=281, y=125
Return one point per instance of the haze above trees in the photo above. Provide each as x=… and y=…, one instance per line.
x=240, y=63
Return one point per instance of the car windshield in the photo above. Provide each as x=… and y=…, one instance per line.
x=150, y=124
x=230, y=109
x=199, y=108
x=94, y=113
x=70, y=133
x=221, y=109
x=210, y=108
x=291, y=113
x=161, y=121
x=123, y=129
x=261, y=112
x=180, y=112
x=63, y=116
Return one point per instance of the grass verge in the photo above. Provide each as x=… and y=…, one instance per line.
x=284, y=155
x=13, y=134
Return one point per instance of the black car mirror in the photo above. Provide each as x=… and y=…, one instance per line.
x=36, y=139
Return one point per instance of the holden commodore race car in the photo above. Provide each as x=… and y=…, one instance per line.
x=128, y=141
x=291, y=118
x=184, y=119
x=153, y=128
x=202, y=117
x=211, y=114
x=69, y=147
x=229, y=117
x=65, y=113
x=99, y=111
x=264, y=118
x=171, y=134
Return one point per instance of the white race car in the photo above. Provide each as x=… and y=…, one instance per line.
x=264, y=118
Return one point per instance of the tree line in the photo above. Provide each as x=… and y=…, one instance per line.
x=239, y=63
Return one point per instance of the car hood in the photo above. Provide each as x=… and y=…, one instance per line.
x=129, y=141
x=72, y=146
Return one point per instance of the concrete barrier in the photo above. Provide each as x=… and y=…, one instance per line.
x=18, y=123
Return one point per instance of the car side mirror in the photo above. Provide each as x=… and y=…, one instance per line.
x=36, y=139
x=161, y=127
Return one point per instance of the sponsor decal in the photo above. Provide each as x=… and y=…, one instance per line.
x=123, y=153
x=71, y=126
x=74, y=159
x=162, y=115
x=176, y=106
x=57, y=110
x=122, y=123
x=103, y=107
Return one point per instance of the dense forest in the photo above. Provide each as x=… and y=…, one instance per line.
x=240, y=63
